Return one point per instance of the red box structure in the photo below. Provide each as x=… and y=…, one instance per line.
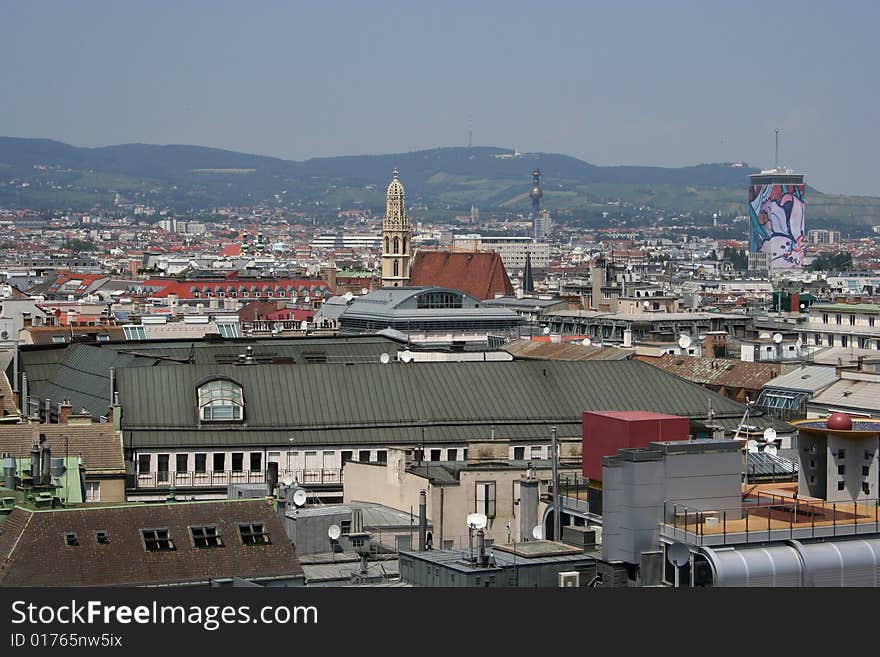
x=604, y=432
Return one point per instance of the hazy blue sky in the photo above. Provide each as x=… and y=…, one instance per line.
x=663, y=83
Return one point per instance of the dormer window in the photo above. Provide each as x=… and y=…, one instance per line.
x=221, y=400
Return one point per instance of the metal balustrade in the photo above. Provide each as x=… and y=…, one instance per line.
x=219, y=478
x=769, y=517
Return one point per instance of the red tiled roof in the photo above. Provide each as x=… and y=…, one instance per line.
x=480, y=274
x=231, y=250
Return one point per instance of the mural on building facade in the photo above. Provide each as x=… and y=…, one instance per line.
x=777, y=224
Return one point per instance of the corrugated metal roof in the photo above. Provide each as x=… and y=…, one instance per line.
x=854, y=394
x=812, y=378
x=762, y=463
x=717, y=371
x=81, y=372
x=526, y=349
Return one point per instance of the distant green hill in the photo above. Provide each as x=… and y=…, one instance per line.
x=45, y=174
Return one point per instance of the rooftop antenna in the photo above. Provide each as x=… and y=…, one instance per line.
x=776, y=165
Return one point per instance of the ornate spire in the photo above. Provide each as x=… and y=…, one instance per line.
x=528, y=280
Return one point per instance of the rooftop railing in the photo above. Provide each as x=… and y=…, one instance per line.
x=770, y=517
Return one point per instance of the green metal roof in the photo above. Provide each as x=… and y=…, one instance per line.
x=847, y=307
x=386, y=404
x=81, y=372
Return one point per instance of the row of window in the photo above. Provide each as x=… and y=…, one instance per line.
x=218, y=460
x=237, y=460
x=245, y=295
x=861, y=341
x=203, y=536
x=838, y=319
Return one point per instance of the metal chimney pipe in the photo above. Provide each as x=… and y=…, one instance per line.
x=46, y=457
x=481, y=547
x=35, y=461
x=25, y=406
x=8, y=471
x=272, y=477
x=423, y=520
x=112, y=387
x=48, y=411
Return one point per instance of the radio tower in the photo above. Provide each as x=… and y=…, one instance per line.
x=536, y=195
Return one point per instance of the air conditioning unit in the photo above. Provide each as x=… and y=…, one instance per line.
x=570, y=578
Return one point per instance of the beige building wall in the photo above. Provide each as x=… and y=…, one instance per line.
x=447, y=505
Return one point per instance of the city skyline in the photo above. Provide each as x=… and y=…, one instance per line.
x=599, y=82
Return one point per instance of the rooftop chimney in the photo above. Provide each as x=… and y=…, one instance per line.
x=272, y=477
x=8, y=471
x=423, y=520
x=65, y=409
x=481, y=546
x=35, y=459
x=46, y=461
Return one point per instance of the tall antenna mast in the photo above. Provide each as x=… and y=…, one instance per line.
x=776, y=165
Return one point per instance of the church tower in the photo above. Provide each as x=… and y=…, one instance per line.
x=396, y=238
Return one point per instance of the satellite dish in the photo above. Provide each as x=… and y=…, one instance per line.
x=307, y=299
x=334, y=532
x=751, y=446
x=538, y=533
x=288, y=481
x=299, y=497
x=546, y=330
x=349, y=296
x=646, y=305
x=406, y=356
x=587, y=342
x=684, y=341
x=799, y=343
x=769, y=434
x=771, y=449
x=678, y=554
x=477, y=521
x=364, y=291
x=384, y=359
x=777, y=338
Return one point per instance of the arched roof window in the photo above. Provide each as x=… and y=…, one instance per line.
x=221, y=400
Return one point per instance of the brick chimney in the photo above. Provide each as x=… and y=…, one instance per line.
x=64, y=412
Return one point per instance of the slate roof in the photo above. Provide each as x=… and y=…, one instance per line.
x=367, y=403
x=479, y=274
x=33, y=551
